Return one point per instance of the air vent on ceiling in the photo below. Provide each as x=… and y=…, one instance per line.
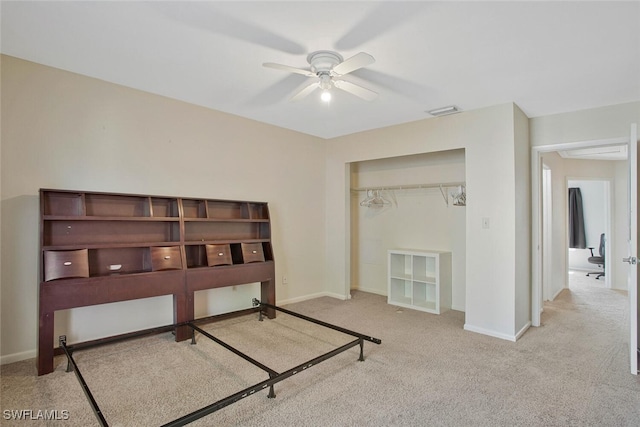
x=444, y=111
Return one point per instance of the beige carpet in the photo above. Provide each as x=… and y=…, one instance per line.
x=428, y=371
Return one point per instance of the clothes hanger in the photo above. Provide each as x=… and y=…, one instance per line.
x=367, y=201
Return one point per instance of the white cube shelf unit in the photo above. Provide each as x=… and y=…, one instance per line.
x=420, y=279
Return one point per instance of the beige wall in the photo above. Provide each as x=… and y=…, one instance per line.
x=62, y=130
x=585, y=125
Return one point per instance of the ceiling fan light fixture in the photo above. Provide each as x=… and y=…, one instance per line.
x=325, y=65
x=443, y=111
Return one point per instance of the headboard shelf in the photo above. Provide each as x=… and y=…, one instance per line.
x=98, y=248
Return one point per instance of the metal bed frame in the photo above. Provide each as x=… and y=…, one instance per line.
x=274, y=376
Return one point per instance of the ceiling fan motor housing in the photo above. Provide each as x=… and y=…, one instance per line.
x=323, y=61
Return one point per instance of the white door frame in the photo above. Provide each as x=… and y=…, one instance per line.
x=632, y=282
x=536, y=217
x=547, y=231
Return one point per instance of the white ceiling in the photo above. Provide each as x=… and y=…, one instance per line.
x=547, y=57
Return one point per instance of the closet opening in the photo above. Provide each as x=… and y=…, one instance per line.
x=415, y=202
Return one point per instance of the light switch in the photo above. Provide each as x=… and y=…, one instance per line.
x=485, y=222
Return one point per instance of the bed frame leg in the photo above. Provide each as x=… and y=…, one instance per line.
x=62, y=340
x=193, y=336
x=272, y=393
x=256, y=303
x=361, y=358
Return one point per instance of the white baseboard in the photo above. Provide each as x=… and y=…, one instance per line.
x=17, y=357
x=458, y=308
x=495, y=334
x=558, y=293
x=312, y=296
x=371, y=291
x=490, y=333
x=523, y=330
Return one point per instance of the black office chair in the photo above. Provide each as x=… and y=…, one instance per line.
x=599, y=260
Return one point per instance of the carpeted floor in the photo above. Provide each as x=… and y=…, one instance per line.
x=572, y=371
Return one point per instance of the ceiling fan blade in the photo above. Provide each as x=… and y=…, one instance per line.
x=289, y=69
x=213, y=18
x=354, y=89
x=383, y=17
x=305, y=91
x=358, y=60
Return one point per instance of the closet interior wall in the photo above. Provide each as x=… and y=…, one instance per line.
x=415, y=218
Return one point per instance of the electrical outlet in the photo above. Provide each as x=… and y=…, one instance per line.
x=285, y=280
x=485, y=222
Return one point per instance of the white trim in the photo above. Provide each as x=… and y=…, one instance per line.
x=523, y=330
x=17, y=357
x=632, y=278
x=536, y=230
x=580, y=144
x=495, y=334
x=313, y=296
x=370, y=290
x=491, y=333
x=547, y=229
x=558, y=293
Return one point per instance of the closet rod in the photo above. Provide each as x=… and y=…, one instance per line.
x=411, y=186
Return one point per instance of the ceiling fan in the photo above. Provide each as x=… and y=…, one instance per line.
x=328, y=66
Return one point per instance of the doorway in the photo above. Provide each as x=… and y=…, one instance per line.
x=596, y=208
x=624, y=190
x=559, y=199
x=559, y=265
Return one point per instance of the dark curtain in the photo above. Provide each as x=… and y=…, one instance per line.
x=577, y=238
